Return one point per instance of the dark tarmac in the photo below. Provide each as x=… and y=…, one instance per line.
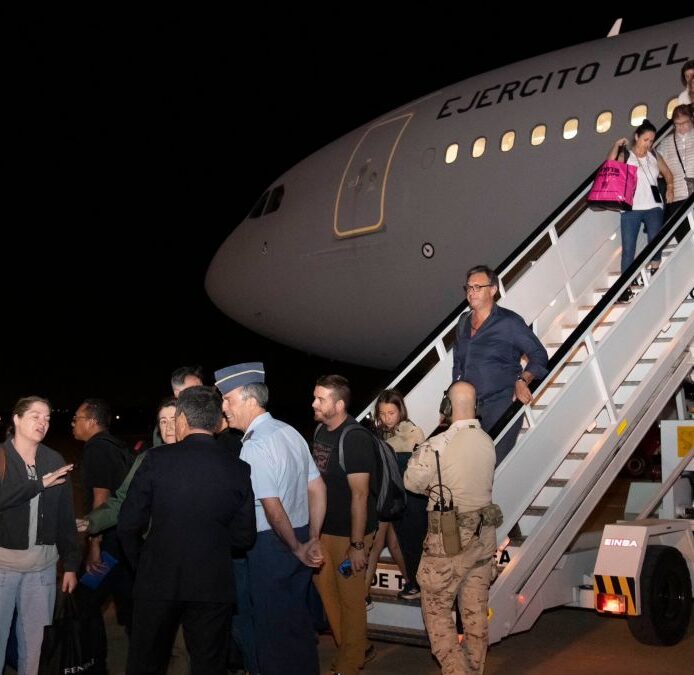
x=566, y=641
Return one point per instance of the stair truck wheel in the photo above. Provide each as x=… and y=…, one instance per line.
x=666, y=598
x=636, y=466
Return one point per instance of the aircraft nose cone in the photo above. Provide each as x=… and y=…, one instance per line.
x=227, y=281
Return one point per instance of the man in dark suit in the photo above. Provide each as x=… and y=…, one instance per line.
x=200, y=503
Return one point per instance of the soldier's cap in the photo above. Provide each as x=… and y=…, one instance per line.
x=229, y=378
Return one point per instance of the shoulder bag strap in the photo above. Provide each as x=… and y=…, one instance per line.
x=677, y=150
x=341, y=442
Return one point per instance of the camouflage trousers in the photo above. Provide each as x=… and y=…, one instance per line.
x=468, y=576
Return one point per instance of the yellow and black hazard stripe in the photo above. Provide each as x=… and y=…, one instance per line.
x=626, y=586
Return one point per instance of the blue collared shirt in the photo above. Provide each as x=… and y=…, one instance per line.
x=281, y=466
x=491, y=359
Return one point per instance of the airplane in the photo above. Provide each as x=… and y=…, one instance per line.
x=364, y=244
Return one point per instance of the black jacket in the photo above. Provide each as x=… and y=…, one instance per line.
x=56, y=516
x=201, y=506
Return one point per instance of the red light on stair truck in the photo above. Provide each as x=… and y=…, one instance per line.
x=609, y=602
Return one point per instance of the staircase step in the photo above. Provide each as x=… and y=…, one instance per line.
x=568, y=370
x=392, y=598
x=407, y=636
x=625, y=391
x=556, y=482
x=613, y=312
x=577, y=455
x=598, y=431
x=657, y=347
x=641, y=369
x=603, y=419
x=599, y=329
x=549, y=392
x=586, y=442
x=685, y=309
x=517, y=542
x=552, y=348
x=535, y=511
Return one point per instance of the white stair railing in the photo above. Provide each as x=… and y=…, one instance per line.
x=584, y=402
x=549, y=473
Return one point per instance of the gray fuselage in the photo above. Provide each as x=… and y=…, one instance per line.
x=367, y=251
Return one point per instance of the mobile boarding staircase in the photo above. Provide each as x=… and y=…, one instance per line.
x=613, y=367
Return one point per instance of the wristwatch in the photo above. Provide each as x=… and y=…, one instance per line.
x=359, y=545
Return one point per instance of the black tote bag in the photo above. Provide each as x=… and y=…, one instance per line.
x=67, y=644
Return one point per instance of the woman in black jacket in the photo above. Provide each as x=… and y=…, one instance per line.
x=37, y=526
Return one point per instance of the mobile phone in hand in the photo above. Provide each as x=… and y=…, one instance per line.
x=345, y=568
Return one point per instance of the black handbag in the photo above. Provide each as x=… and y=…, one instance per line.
x=67, y=644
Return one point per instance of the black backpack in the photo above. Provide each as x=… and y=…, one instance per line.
x=391, y=498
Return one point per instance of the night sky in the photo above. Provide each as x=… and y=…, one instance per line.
x=126, y=128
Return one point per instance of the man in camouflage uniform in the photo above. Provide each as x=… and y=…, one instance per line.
x=467, y=458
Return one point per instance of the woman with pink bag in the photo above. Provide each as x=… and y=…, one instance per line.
x=648, y=204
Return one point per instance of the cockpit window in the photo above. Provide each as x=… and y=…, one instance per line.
x=269, y=202
x=257, y=210
x=275, y=199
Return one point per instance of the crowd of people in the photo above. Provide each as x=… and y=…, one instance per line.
x=214, y=540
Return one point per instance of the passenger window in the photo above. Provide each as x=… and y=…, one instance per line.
x=671, y=105
x=571, y=128
x=507, y=141
x=479, y=146
x=604, y=122
x=257, y=210
x=638, y=115
x=538, y=134
x=451, y=153
x=275, y=199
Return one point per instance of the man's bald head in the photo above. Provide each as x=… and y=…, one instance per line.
x=463, y=400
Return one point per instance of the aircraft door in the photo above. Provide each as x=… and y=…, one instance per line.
x=359, y=208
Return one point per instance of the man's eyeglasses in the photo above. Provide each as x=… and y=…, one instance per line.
x=469, y=288
x=80, y=417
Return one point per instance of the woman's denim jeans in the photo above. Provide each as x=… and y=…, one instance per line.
x=33, y=593
x=630, y=224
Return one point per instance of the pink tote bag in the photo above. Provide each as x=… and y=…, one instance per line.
x=614, y=187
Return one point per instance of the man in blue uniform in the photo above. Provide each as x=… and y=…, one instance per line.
x=290, y=507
